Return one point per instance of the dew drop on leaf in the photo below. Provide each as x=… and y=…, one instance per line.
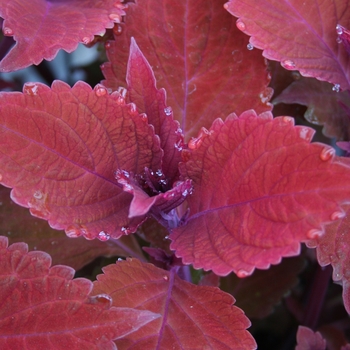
x=132, y=108
x=314, y=233
x=250, y=47
x=165, y=278
x=242, y=273
x=338, y=40
x=100, y=90
x=114, y=17
x=103, y=236
x=240, y=25
x=305, y=133
x=237, y=56
x=337, y=215
x=38, y=195
x=339, y=29
x=30, y=89
x=327, y=153
x=73, y=232
x=107, y=46
x=289, y=120
x=288, y=64
x=336, y=88
x=7, y=31
x=126, y=230
x=168, y=111
x=117, y=29
x=101, y=299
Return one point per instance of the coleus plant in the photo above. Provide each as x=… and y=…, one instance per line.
x=178, y=162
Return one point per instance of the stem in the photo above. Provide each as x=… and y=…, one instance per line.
x=316, y=296
x=128, y=250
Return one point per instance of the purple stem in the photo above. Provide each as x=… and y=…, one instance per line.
x=316, y=296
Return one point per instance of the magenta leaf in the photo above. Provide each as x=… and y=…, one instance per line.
x=324, y=105
x=309, y=340
x=60, y=148
x=41, y=28
x=43, y=308
x=191, y=315
x=301, y=35
x=260, y=188
x=202, y=60
x=18, y=225
x=143, y=92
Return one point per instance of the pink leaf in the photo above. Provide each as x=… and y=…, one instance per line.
x=143, y=92
x=18, y=225
x=41, y=27
x=324, y=106
x=199, y=57
x=309, y=340
x=191, y=315
x=260, y=188
x=43, y=308
x=301, y=35
x=60, y=149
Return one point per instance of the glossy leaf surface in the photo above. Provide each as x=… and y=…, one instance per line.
x=43, y=308
x=300, y=34
x=41, y=27
x=191, y=315
x=199, y=57
x=60, y=148
x=260, y=188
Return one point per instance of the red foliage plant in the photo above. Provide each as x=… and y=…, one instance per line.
x=179, y=162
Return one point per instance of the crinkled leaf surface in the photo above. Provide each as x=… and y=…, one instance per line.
x=60, y=148
x=19, y=226
x=324, y=106
x=199, y=57
x=43, y=308
x=309, y=340
x=260, y=188
x=42, y=27
x=334, y=248
x=300, y=34
x=191, y=315
x=148, y=99
x=258, y=294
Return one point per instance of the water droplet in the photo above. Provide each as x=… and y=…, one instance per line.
x=237, y=56
x=54, y=242
x=191, y=307
x=122, y=91
x=327, y=153
x=100, y=90
x=314, y=233
x=339, y=29
x=250, y=47
x=107, y=45
x=194, y=143
x=240, y=25
x=191, y=88
x=30, y=89
x=73, y=232
x=132, y=108
x=115, y=17
x=165, y=278
x=166, y=238
x=103, y=236
x=118, y=29
x=102, y=299
x=35, y=248
x=288, y=64
x=38, y=195
x=178, y=145
x=242, y=273
x=288, y=120
x=7, y=31
x=86, y=40
x=126, y=230
x=338, y=40
x=305, y=133
x=168, y=111
x=336, y=88
x=337, y=215
x=119, y=259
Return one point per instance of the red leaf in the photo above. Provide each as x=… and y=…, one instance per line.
x=41, y=27
x=143, y=92
x=260, y=189
x=60, y=148
x=18, y=225
x=309, y=340
x=301, y=35
x=191, y=314
x=324, y=106
x=43, y=308
x=334, y=248
x=197, y=55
